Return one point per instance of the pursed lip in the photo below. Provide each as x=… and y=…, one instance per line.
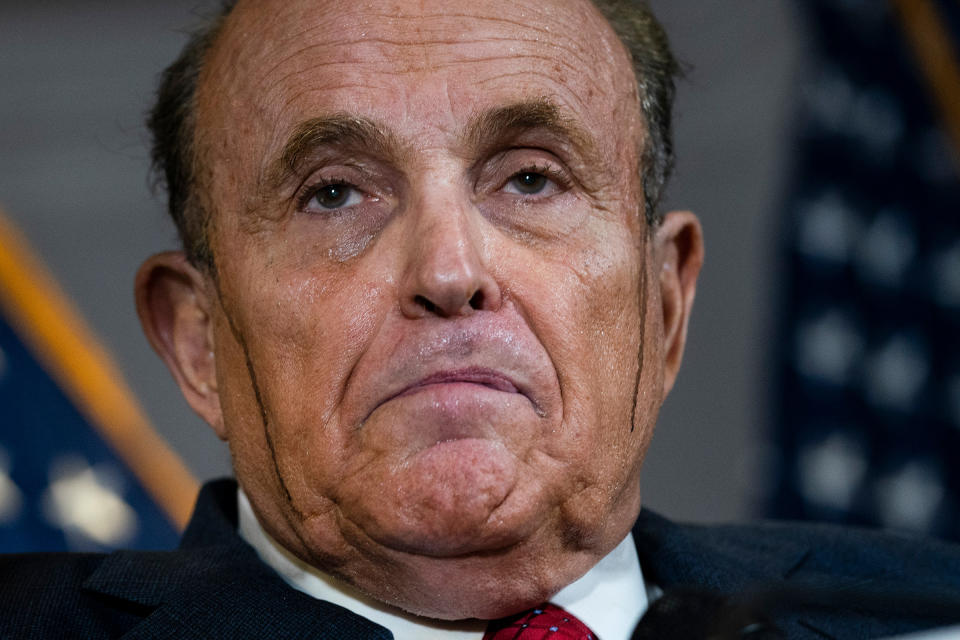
x=481, y=376
x=473, y=375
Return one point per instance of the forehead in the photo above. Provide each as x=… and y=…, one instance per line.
x=420, y=66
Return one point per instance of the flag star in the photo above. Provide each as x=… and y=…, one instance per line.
x=908, y=499
x=896, y=373
x=830, y=97
x=11, y=498
x=877, y=120
x=867, y=15
x=886, y=249
x=953, y=399
x=827, y=348
x=827, y=226
x=81, y=502
x=946, y=277
x=934, y=155
x=831, y=471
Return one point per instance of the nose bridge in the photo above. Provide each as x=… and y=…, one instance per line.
x=446, y=274
x=449, y=250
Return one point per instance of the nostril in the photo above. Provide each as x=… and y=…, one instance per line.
x=476, y=302
x=426, y=304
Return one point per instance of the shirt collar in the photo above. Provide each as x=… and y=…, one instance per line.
x=610, y=598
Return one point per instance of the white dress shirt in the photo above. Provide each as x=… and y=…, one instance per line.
x=610, y=598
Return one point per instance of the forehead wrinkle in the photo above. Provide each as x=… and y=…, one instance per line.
x=575, y=54
x=292, y=101
x=534, y=33
x=330, y=17
x=510, y=57
x=362, y=38
x=288, y=99
x=571, y=46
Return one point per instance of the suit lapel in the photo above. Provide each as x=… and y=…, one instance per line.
x=215, y=586
x=720, y=559
x=836, y=583
x=727, y=560
x=216, y=596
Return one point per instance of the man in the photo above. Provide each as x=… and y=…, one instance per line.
x=428, y=300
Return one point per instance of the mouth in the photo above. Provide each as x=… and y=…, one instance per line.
x=474, y=375
x=477, y=376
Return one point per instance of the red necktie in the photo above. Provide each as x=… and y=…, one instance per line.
x=546, y=622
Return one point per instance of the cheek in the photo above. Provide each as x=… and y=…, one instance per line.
x=584, y=305
x=303, y=333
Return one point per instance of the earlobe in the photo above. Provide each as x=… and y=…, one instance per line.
x=679, y=256
x=174, y=308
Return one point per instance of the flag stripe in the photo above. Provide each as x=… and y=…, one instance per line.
x=60, y=339
x=938, y=60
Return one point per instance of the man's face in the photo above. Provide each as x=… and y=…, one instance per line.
x=434, y=362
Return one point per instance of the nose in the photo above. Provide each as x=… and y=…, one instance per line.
x=446, y=275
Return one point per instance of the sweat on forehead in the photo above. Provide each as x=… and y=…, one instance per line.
x=264, y=31
x=307, y=55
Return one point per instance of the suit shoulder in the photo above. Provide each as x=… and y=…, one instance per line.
x=42, y=596
x=835, y=550
x=861, y=552
x=844, y=581
x=29, y=571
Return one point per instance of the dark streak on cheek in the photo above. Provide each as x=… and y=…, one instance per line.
x=642, y=296
x=238, y=336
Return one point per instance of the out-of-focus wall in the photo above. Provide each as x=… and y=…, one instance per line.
x=733, y=125
x=77, y=77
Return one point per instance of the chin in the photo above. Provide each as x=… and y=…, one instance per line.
x=483, y=585
x=458, y=592
x=453, y=499
x=454, y=533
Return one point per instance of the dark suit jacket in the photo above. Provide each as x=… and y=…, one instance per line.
x=214, y=586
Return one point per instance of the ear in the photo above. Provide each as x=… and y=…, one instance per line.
x=173, y=303
x=679, y=255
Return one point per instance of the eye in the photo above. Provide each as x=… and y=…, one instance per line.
x=336, y=195
x=535, y=182
x=529, y=182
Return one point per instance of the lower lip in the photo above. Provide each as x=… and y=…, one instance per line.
x=449, y=410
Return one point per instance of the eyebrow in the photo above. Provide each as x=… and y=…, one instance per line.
x=489, y=129
x=495, y=126
x=341, y=130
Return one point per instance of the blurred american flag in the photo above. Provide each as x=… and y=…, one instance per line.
x=867, y=384
x=80, y=466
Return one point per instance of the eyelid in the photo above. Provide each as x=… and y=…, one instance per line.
x=519, y=157
x=550, y=171
x=349, y=174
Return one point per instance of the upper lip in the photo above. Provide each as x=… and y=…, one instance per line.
x=496, y=353
x=480, y=375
